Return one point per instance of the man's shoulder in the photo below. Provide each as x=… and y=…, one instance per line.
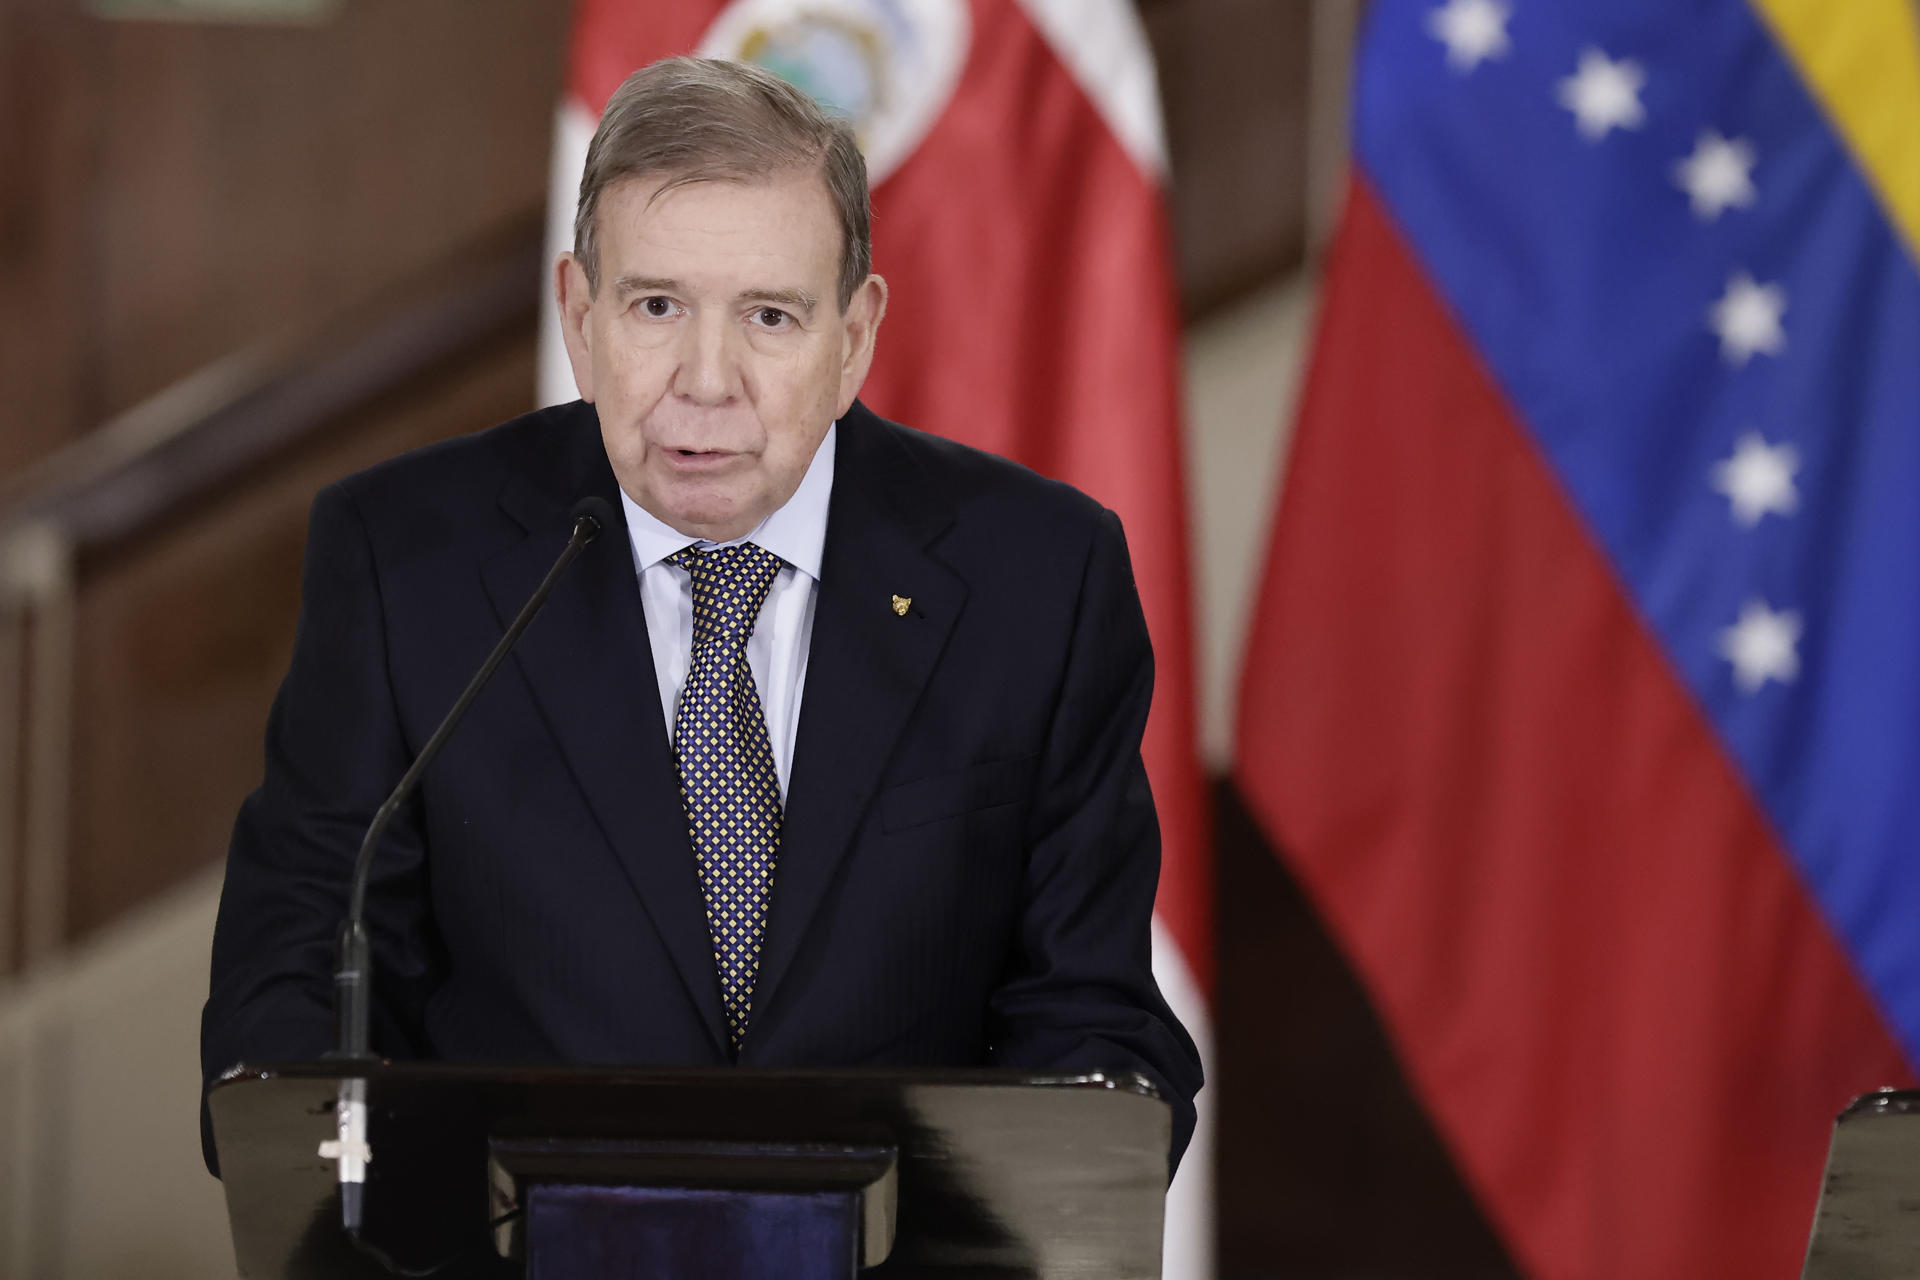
x=977, y=485
x=540, y=446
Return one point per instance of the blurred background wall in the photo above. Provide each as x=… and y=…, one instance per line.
x=240, y=258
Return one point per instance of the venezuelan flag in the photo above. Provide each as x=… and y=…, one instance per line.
x=1584, y=695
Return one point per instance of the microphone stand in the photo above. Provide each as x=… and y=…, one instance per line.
x=353, y=971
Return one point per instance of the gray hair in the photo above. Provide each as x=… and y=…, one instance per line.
x=702, y=120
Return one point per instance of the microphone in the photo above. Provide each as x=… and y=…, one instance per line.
x=353, y=969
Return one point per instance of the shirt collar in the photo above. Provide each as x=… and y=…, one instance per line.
x=796, y=532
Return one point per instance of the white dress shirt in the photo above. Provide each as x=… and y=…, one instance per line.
x=782, y=635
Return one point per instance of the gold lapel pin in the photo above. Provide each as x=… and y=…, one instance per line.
x=901, y=604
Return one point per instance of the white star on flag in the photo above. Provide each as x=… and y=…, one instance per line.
x=1761, y=646
x=1758, y=479
x=1604, y=95
x=1747, y=319
x=1718, y=175
x=1472, y=30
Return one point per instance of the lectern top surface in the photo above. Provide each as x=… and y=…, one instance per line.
x=1001, y=1174
x=1867, y=1226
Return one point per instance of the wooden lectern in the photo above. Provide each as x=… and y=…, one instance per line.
x=568, y=1173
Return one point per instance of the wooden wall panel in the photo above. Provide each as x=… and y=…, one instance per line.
x=173, y=191
x=262, y=177
x=1234, y=84
x=185, y=634
x=44, y=145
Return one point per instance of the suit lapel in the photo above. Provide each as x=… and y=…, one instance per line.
x=866, y=666
x=590, y=667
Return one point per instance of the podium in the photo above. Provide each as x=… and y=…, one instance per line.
x=587, y=1173
x=1867, y=1224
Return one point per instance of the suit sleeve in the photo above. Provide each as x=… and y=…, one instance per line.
x=1081, y=993
x=334, y=749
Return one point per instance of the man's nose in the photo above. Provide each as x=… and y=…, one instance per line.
x=709, y=369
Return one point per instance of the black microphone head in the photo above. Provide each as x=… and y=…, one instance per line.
x=596, y=509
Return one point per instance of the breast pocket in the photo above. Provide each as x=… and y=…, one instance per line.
x=992, y=785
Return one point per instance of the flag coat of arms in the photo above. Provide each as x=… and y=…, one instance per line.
x=1015, y=153
x=1584, y=692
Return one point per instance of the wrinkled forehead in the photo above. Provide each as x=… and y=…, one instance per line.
x=721, y=223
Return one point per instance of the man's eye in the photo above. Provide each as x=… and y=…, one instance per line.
x=771, y=317
x=657, y=307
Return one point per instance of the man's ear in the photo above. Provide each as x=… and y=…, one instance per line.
x=574, y=297
x=861, y=326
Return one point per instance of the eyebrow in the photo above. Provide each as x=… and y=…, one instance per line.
x=798, y=299
x=645, y=284
x=795, y=298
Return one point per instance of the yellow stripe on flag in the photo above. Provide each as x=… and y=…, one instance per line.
x=1862, y=60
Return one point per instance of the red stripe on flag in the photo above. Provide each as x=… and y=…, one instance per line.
x=612, y=39
x=1616, y=999
x=1034, y=314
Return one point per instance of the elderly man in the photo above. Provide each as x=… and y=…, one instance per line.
x=832, y=759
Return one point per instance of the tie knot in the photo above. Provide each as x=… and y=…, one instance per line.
x=729, y=586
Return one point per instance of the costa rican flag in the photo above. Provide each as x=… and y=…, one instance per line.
x=1585, y=690
x=1015, y=153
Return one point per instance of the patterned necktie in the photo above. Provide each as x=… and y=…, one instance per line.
x=727, y=781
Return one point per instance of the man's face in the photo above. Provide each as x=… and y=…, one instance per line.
x=715, y=348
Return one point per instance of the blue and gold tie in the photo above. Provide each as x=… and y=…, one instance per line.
x=727, y=780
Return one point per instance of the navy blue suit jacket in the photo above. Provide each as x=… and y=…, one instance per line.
x=969, y=853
